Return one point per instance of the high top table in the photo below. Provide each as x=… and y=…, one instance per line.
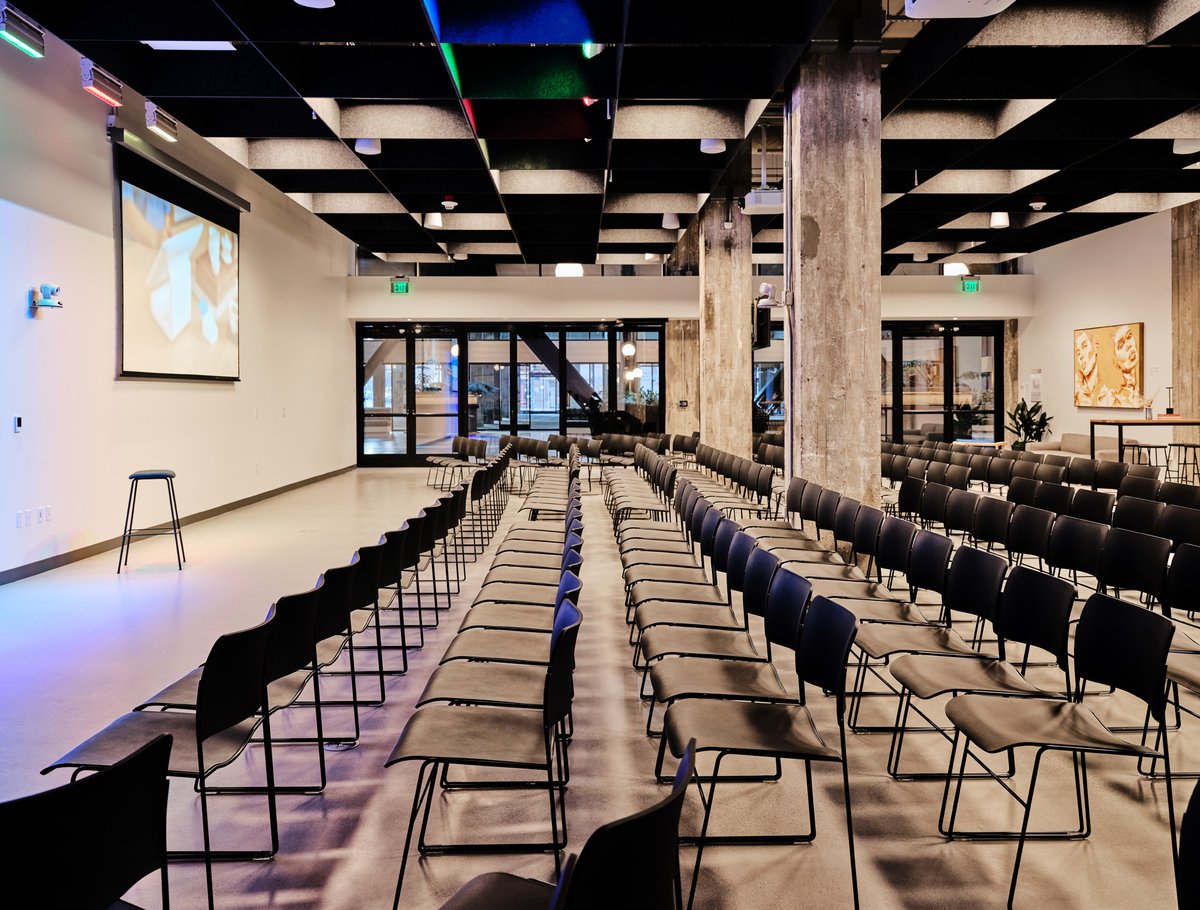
x=1162, y=420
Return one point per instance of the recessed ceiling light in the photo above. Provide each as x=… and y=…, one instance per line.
x=316, y=4
x=568, y=270
x=920, y=257
x=998, y=220
x=459, y=257
x=712, y=146
x=956, y=268
x=190, y=45
x=670, y=221
x=433, y=220
x=368, y=146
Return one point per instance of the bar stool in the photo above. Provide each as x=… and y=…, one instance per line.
x=129, y=531
x=1154, y=455
x=1187, y=465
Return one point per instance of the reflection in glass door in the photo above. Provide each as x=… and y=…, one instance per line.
x=942, y=382
x=385, y=396
x=435, y=403
x=538, y=405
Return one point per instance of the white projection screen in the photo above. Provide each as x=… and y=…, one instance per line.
x=179, y=278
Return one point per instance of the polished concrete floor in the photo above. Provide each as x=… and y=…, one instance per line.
x=80, y=645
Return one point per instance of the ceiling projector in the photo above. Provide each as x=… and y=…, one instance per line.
x=954, y=9
x=763, y=200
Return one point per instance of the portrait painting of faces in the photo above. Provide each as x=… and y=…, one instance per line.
x=1108, y=366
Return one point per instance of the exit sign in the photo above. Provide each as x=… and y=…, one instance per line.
x=399, y=285
x=970, y=285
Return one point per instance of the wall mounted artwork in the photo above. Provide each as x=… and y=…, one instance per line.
x=1108, y=366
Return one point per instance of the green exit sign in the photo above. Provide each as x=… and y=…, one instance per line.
x=970, y=285
x=399, y=285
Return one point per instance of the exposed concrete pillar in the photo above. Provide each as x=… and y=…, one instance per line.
x=834, y=323
x=1185, y=317
x=726, y=352
x=683, y=376
x=1012, y=373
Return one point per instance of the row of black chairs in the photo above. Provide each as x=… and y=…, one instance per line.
x=213, y=713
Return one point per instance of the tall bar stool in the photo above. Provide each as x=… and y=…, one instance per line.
x=129, y=532
x=1187, y=465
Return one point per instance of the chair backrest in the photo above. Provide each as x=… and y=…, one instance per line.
x=760, y=569
x=1049, y=473
x=1109, y=474
x=1179, y=494
x=867, y=523
x=1029, y=531
x=333, y=613
x=1035, y=609
x=1000, y=470
x=974, y=582
x=825, y=639
x=1180, y=525
x=1081, y=472
x=1183, y=579
x=1133, y=485
x=1125, y=646
x=1134, y=561
x=1024, y=468
x=231, y=685
x=844, y=519
x=958, y=476
x=936, y=472
x=740, y=549
x=1076, y=544
x=86, y=843
x=933, y=502
x=559, y=689
x=634, y=861
x=992, y=517
x=895, y=543
x=960, y=510
x=1094, y=505
x=1188, y=873
x=795, y=493
x=786, y=600
x=1054, y=497
x=1136, y=514
x=292, y=646
x=1022, y=491
x=928, y=562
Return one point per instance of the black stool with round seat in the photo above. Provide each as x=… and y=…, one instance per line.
x=129, y=532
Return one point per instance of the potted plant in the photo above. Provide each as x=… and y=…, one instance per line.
x=1028, y=423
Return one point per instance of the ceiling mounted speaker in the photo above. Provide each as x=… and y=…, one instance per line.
x=954, y=9
x=368, y=146
x=712, y=146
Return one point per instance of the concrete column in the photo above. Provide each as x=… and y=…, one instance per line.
x=834, y=322
x=726, y=366
x=1185, y=317
x=683, y=376
x=1012, y=373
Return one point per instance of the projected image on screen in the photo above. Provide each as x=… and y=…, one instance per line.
x=180, y=304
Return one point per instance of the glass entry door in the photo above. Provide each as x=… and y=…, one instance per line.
x=411, y=398
x=942, y=382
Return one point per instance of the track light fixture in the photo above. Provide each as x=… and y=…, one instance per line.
x=161, y=123
x=21, y=32
x=99, y=83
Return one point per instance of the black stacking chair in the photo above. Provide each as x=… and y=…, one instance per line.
x=1093, y=505
x=932, y=510
x=999, y=471
x=489, y=737
x=1187, y=873
x=1054, y=497
x=1136, y=514
x=1141, y=487
x=1117, y=644
x=1034, y=609
x=1023, y=467
x=632, y=862
x=960, y=512
x=1029, y=534
x=784, y=731
x=1077, y=545
x=980, y=466
x=1179, y=494
x=908, y=503
x=1081, y=472
x=1134, y=562
x=1109, y=474
x=936, y=472
x=229, y=700
x=1022, y=491
x=1048, y=473
x=992, y=518
x=528, y=645
x=1180, y=525
x=84, y=844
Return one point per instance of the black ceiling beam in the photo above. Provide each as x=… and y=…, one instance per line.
x=931, y=48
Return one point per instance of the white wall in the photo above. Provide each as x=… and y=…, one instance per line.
x=517, y=299
x=84, y=430
x=1109, y=278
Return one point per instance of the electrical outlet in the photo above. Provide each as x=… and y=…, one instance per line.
x=47, y=513
x=29, y=518
x=41, y=513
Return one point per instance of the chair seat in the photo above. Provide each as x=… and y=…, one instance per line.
x=538, y=575
x=1183, y=667
x=880, y=639
x=654, y=545
x=994, y=724
x=520, y=617
x=705, y=616
x=811, y=569
x=893, y=611
x=486, y=737
x=693, y=574
x=658, y=641
x=153, y=474
x=790, y=542
x=747, y=728
x=498, y=685
x=499, y=645
x=647, y=591
x=503, y=592
x=927, y=675
x=549, y=558
x=687, y=677
x=521, y=546
x=648, y=558
x=329, y=650
x=130, y=732
x=499, y=889
x=842, y=589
